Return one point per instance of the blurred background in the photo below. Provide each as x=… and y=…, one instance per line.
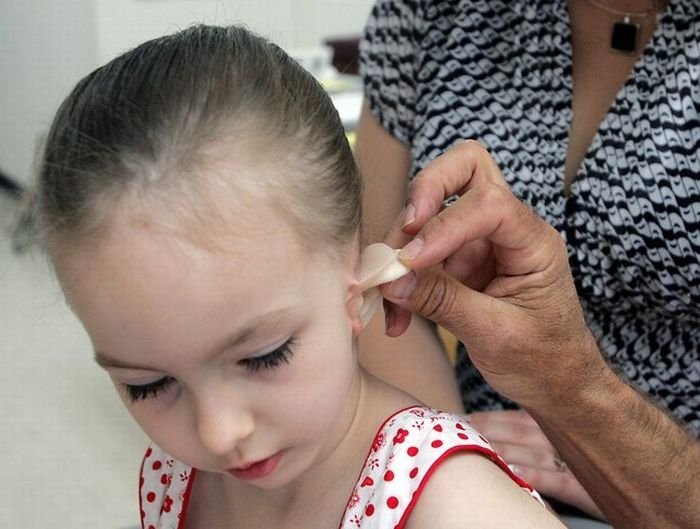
x=70, y=453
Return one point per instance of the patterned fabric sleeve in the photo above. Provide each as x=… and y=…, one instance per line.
x=388, y=51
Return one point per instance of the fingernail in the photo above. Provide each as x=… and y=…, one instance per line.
x=412, y=249
x=409, y=215
x=403, y=287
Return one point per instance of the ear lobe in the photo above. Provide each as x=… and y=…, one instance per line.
x=378, y=264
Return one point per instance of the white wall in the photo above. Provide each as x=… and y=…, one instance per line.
x=291, y=23
x=122, y=25
x=47, y=45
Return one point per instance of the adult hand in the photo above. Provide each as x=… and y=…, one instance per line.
x=497, y=276
x=519, y=440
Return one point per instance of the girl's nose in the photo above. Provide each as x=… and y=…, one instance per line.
x=221, y=425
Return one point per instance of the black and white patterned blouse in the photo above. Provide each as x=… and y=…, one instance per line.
x=437, y=71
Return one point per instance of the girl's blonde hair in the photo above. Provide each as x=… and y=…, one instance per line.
x=146, y=124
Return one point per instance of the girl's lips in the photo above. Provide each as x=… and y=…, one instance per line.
x=257, y=470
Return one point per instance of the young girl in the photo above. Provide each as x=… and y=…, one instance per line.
x=201, y=207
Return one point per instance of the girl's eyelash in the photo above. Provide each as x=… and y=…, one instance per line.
x=148, y=391
x=271, y=360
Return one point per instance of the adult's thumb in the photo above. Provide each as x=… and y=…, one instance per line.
x=437, y=296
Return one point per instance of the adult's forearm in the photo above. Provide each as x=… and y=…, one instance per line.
x=638, y=465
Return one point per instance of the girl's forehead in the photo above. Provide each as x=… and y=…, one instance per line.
x=138, y=256
x=136, y=236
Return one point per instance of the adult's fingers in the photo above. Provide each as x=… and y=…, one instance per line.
x=513, y=425
x=507, y=416
x=465, y=165
x=522, y=242
x=525, y=456
x=485, y=210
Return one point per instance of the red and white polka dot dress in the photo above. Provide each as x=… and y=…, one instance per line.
x=164, y=490
x=406, y=450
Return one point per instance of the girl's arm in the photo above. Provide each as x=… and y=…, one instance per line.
x=468, y=490
x=415, y=362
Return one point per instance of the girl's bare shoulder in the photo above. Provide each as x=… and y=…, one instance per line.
x=469, y=490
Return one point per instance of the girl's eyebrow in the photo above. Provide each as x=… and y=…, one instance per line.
x=106, y=361
x=239, y=336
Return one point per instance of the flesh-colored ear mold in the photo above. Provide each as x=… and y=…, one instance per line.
x=379, y=264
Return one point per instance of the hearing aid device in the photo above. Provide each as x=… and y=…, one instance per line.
x=379, y=264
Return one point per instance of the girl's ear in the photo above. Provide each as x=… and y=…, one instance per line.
x=353, y=305
x=354, y=298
